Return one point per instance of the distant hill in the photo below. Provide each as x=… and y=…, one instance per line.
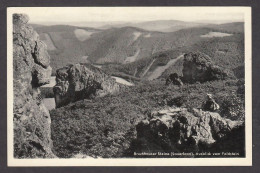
x=236, y=27
x=226, y=52
x=71, y=44
x=175, y=25
x=36, y=25
x=166, y=25
x=60, y=28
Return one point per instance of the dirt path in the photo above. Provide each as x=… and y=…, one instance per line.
x=148, y=68
x=159, y=70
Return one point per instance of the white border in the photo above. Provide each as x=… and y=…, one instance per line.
x=247, y=161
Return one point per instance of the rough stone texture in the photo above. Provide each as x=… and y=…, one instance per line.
x=40, y=54
x=81, y=81
x=199, y=67
x=182, y=130
x=31, y=69
x=210, y=104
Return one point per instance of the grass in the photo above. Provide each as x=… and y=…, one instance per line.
x=105, y=127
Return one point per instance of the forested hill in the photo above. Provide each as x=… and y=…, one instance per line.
x=71, y=44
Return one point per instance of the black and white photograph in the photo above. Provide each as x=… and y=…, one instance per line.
x=129, y=86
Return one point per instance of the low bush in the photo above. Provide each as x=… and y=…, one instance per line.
x=178, y=101
x=47, y=92
x=233, y=108
x=105, y=127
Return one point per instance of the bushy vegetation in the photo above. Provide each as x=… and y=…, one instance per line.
x=134, y=69
x=226, y=52
x=114, y=45
x=47, y=92
x=233, y=107
x=105, y=126
x=239, y=72
x=138, y=68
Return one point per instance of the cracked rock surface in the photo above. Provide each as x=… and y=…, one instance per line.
x=81, y=81
x=31, y=69
x=184, y=130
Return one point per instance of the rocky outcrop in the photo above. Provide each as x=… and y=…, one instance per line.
x=174, y=79
x=210, y=104
x=81, y=81
x=182, y=130
x=198, y=67
x=31, y=69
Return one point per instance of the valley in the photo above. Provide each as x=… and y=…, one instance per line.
x=67, y=44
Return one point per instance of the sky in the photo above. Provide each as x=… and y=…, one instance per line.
x=129, y=14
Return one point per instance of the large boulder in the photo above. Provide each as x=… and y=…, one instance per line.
x=210, y=104
x=198, y=67
x=182, y=130
x=81, y=81
x=31, y=69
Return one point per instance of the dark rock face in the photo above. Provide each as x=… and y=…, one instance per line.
x=81, y=81
x=174, y=79
x=182, y=130
x=198, y=67
x=31, y=69
x=210, y=104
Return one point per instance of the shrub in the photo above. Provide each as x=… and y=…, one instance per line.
x=47, y=92
x=241, y=88
x=105, y=127
x=178, y=101
x=233, y=108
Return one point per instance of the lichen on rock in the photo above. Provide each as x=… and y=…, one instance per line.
x=31, y=69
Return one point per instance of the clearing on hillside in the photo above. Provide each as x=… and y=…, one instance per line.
x=216, y=34
x=82, y=34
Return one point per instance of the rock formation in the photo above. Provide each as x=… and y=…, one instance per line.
x=182, y=130
x=210, y=104
x=199, y=67
x=31, y=69
x=81, y=81
x=174, y=79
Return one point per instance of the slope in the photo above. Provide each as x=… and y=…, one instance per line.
x=71, y=44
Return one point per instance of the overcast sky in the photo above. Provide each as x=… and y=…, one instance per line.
x=129, y=14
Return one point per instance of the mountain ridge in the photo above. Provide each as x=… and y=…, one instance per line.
x=118, y=45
